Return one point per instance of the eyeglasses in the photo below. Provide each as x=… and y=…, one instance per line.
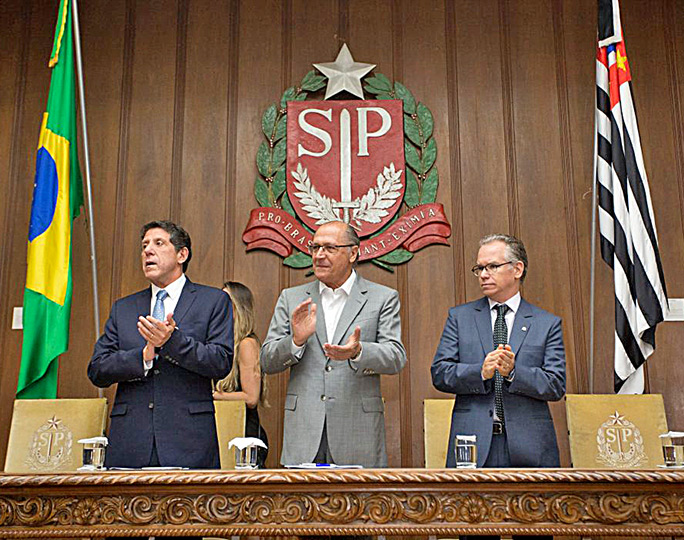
x=492, y=268
x=328, y=249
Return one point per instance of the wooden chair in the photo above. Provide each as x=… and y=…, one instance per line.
x=615, y=431
x=230, y=423
x=436, y=428
x=44, y=433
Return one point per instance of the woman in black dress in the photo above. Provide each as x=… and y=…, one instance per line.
x=245, y=381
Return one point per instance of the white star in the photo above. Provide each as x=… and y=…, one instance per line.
x=344, y=74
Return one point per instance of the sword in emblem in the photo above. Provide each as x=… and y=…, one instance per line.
x=345, y=202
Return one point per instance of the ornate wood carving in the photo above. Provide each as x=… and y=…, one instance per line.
x=274, y=503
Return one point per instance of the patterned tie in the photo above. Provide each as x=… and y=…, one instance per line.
x=500, y=338
x=158, y=311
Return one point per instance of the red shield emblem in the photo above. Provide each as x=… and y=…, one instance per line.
x=345, y=161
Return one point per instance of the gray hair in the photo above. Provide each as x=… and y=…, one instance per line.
x=352, y=236
x=515, y=249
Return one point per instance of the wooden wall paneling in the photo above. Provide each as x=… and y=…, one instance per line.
x=578, y=361
x=482, y=129
x=15, y=18
x=428, y=292
x=285, y=274
x=102, y=34
x=260, y=82
x=148, y=172
x=179, y=105
x=580, y=48
x=118, y=243
x=311, y=35
x=577, y=38
x=203, y=169
x=674, y=12
x=40, y=36
x=233, y=227
x=541, y=171
x=473, y=178
x=374, y=37
x=652, y=84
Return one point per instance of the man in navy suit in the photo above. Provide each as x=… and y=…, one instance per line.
x=502, y=336
x=163, y=346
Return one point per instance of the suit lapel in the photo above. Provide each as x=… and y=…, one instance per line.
x=356, y=301
x=483, y=321
x=186, y=299
x=143, y=302
x=315, y=294
x=523, y=320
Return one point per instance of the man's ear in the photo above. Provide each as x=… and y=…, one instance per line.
x=355, y=253
x=182, y=255
x=519, y=267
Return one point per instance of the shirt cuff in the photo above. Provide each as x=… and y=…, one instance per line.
x=511, y=376
x=147, y=366
x=297, y=350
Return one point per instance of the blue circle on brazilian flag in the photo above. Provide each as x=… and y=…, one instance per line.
x=45, y=191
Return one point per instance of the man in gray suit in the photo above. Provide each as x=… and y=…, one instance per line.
x=504, y=359
x=337, y=335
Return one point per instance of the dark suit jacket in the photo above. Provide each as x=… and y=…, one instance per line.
x=173, y=403
x=537, y=341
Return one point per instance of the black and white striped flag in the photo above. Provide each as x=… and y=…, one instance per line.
x=629, y=243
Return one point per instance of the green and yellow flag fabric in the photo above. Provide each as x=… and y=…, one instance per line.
x=57, y=199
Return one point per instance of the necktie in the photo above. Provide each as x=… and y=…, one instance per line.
x=500, y=338
x=158, y=311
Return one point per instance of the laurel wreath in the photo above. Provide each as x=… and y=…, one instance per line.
x=371, y=207
x=317, y=206
x=420, y=153
x=636, y=456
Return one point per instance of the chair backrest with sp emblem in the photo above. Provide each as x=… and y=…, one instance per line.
x=44, y=433
x=616, y=431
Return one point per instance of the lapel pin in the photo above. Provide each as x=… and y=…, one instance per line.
x=524, y=328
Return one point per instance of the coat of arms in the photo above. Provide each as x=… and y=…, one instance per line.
x=50, y=447
x=368, y=162
x=620, y=443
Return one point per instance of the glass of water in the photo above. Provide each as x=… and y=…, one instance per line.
x=673, y=448
x=246, y=458
x=466, y=451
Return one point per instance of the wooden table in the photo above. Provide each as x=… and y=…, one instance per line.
x=349, y=502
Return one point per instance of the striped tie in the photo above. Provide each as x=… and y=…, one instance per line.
x=500, y=338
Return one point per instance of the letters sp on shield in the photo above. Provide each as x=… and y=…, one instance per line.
x=345, y=161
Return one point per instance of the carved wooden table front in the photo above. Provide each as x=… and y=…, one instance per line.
x=349, y=502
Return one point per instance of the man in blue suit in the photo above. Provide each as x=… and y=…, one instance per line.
x=163, y=346
x=502, y=341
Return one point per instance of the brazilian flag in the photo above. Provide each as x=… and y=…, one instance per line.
x=57, y=199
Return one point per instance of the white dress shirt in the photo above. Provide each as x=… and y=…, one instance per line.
x=173, y=291
x=513, y=304
x=332, y=304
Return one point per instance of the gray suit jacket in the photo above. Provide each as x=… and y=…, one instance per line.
x=537, y=341
x=346, y=395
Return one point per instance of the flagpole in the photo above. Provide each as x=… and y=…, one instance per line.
x=89, y=191
x=592, y=279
